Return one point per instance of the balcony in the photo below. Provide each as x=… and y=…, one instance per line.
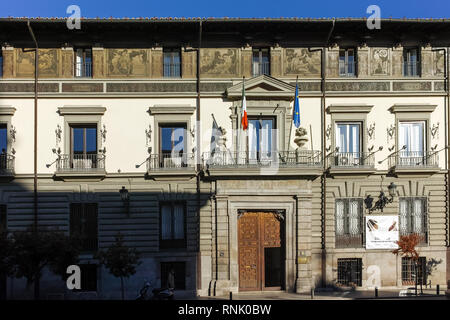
x=83, y=69
x=414, y=161
x=167, y=164
x=80, y=166
x=6, y=165
x=244, y=163
x=352, y=162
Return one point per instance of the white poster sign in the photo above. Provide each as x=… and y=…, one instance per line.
x=381, y=232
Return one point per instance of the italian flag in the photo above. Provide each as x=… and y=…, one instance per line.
x=244, y=120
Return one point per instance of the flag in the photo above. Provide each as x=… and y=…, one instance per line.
x=215, y=135
x=244, y=120
x=296, y=116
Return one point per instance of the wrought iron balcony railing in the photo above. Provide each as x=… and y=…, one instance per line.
x=169, y=161
x=352, y=160
x=414, y=159
x=304, y=158
x=6, y=164
x=172, y=70
x=260, y=68
x=83, y=69
x=80, y=163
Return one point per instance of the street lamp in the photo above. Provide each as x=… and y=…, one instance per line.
x=382, y=199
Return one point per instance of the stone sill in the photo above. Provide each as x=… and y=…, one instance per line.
x=352, y=170
x=171, y=174
x=263, y=171
x=80, y=176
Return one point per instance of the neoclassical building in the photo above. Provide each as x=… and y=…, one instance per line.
x=139, y=132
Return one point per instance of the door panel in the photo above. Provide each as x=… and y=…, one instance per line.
x=260, y=251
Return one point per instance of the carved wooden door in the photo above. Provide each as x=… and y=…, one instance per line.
x=259, y=240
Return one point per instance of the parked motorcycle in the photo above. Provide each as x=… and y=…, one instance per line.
x=156, y=293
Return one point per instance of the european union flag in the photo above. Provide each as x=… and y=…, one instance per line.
x=296, y=116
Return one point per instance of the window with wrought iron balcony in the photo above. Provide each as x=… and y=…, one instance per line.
x=6, y=159
x=83, y=63
x=412, y=149
x=260, y=62
x=411, y=62
x=347, y=62
x=172, y=63
x=347, y=153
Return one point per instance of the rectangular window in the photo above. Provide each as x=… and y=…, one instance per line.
x=261, y=62
x=349, y=223
x=413, y=217
x=83, y=146
x=347, y=62
x=3, y=146
x=84, y=224
x=1, y=63
x=348, y=142
x=3, y=218
x=349, y=272
x=172, y=225
x=411, y=62
x=409, y=268
x=83, y=62
x=412, y=136
x=173, y=274
x=172, y=62
x=261, y=139
x=173, y=146
x=88, y=277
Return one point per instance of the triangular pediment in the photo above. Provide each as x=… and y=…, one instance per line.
x=261, y=87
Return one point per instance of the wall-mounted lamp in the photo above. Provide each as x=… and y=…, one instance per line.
x=125, y=196
x=382, y=199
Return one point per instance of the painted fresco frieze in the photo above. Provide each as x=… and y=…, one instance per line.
x=301, y=62
x=221, y=62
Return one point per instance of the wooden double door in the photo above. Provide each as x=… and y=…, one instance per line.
x=261, y=251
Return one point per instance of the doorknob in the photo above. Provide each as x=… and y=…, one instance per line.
x=254, y=266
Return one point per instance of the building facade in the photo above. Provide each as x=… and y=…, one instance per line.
x=152, y=108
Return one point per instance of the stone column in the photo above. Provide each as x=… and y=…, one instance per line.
x=333, y=62
x=304, y=276
x=188, y=63
x=426, y=61
x=98, y=62
x=275, y=61
x=8, y=62
x=222, y=283
x=246, y=60
x=157, y=62
x=363, y=61
x=67, y=62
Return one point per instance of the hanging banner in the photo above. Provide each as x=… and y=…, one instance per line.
x=381, y=232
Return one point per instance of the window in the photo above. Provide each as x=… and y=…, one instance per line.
x=349, y=272
x=83, y=62
x=348, y=142
x=1, y=63
x=172, y=225
x=88, y=277
x=261, y=62
x=3, y=146
x=173, y=146
x=413, y=217
x=409, y=271
x=261, y=139
x=83, y=223
x=347, y=62
x=3, y=218
x=411, y=62
x=83, y=146
x=349, y=223
x=172, y=62
x=179, y=274
x=412, y=136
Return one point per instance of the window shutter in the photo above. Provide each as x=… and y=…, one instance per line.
x=91, y=227
x=339, y=217
x=166, y=222
x=403, y=206
x=3, y=218
x=75, y=218
x=354, y=219
x=178, y=224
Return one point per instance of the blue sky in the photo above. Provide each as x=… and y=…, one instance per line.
x=227, y=8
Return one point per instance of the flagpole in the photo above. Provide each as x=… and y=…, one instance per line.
x=292, y=121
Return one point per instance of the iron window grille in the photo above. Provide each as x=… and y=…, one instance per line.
x=349, y=223
x=84, y=224
x=409, y=271
x=349, y=272
x=172, y=63
x=411, y=62
x=261, y=62
x=172, y=218
x=413, y=217
x=347, y=62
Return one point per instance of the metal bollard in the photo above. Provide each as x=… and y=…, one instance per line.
x=437, y=289
x=231, y=295
x=376, y=292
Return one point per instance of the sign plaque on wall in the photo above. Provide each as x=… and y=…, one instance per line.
x=381, y=232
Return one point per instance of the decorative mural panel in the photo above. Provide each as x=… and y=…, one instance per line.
x=438, y=63
x=219, y=62
x=380, y=61
x=127, y=63
x=48, y=63
x=24, y=64
x=301, y=62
